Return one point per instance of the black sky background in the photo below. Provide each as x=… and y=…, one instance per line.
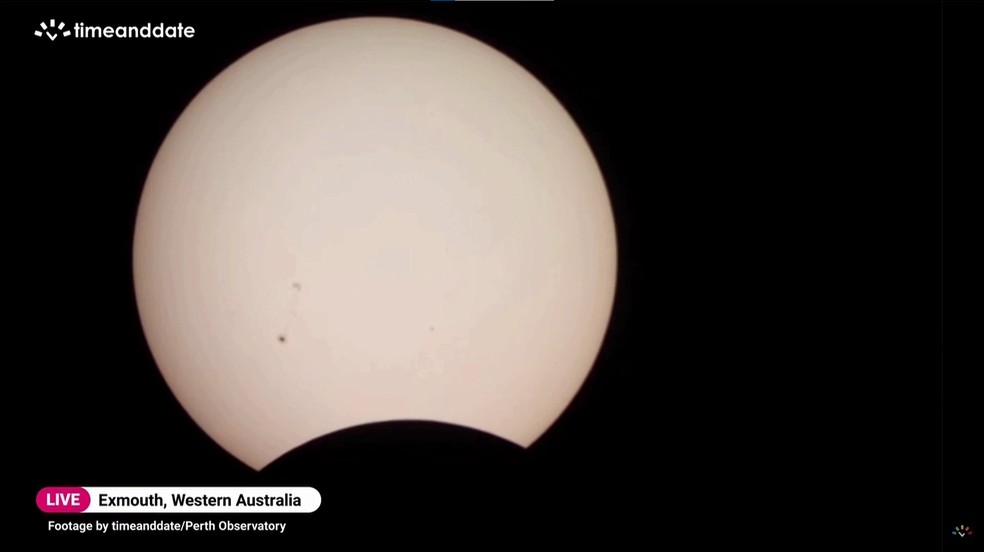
x=776, y=340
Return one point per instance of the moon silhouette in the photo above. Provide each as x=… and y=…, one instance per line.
x=367, y=220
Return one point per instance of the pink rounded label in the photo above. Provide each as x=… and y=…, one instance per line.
x=63, y=499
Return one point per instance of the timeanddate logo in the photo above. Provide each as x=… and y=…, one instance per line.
x=53, y=29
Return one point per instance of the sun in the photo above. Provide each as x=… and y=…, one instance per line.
x=371, y=220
